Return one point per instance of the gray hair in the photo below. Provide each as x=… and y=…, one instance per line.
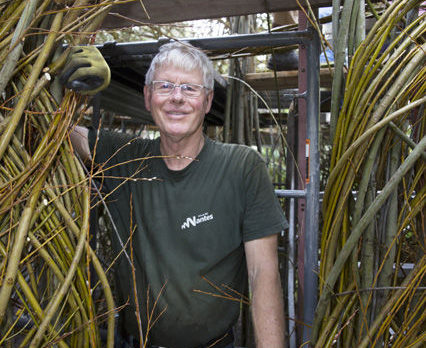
x=183, y=56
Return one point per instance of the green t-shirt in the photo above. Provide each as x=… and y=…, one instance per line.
x=189, y=228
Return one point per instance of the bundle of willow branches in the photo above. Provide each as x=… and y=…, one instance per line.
x=46, y=292
x=374, y=200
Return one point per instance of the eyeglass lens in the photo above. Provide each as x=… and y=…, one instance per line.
x=187, y=89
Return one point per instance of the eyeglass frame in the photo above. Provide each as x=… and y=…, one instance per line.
x=175, y=85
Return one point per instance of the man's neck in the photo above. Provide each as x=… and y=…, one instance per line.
x=179, y=154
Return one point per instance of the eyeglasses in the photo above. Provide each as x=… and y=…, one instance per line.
x=190, y=90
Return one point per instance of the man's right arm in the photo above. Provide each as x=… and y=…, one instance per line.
x=79, y=137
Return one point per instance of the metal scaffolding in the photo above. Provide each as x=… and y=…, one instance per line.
x=307, y=192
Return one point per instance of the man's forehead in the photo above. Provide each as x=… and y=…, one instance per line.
x=168, y=71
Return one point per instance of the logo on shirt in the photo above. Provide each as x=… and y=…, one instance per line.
x=195, y=220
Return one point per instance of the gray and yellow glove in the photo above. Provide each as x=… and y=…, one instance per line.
x=85, y=71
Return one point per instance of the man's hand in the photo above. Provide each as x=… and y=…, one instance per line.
x=85, y=71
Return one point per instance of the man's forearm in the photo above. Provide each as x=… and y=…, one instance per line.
x=267, y=299
x=268, y=311
x=80, y=142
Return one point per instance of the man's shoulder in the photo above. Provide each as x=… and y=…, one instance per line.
x=119, y=145
x=122, y=138
x=235, y=151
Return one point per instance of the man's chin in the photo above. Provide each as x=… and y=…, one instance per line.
x=177, y=134
x=174, y=134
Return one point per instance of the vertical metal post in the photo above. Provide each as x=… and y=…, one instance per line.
x=291, y=262
x=312, y=187
x=291, y=266
x=301, y=165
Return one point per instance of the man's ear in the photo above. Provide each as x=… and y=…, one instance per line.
x=209, y=100
x=147, y=97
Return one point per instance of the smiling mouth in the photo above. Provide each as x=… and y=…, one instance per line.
x=176, y=113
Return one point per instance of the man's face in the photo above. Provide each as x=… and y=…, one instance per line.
x=176, y=115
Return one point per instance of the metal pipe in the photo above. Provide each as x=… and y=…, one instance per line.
x=291, y=193
x=301, y=182
x=312, y=189
x=291, y=263
x=294, y=95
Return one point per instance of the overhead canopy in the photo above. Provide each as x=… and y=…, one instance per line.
x=129, y=63
x=141, y=12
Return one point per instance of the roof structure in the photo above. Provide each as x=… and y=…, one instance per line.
x=167, y=11
x=130, y=61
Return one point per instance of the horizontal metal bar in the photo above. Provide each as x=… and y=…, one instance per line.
x=291, y=193
x=113, y=49
x=295, y=95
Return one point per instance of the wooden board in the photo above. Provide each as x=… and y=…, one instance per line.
x=285, y=80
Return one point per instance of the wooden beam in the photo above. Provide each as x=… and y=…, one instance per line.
x=166, y=11
x=285, y=80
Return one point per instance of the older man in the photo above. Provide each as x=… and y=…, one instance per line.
x=207, y=219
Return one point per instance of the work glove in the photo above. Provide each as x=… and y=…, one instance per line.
x=85, y=71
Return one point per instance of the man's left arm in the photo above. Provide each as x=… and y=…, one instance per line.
x=265, y=284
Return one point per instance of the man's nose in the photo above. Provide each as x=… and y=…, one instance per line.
x=177, y=93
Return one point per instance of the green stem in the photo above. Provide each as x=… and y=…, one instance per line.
x=404, y=137
x=63, y=290
x=339, y=62
x=30, y=298
x=96, y=263
x=397, y=297
x=17, y=44
x=359, y=205
x=358, y=230
x=372, y=9
x=360, y=24
x=367, y=267
x=332, y=319
x=15, y=255
x=337, y=170
x=385, y=276
x=378, y=78
x=11, y=15
x=26, y=93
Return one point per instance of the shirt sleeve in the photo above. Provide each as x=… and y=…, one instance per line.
x=263, y=214
x=118, y=156
x=106, y=146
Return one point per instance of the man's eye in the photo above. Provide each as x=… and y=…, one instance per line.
x=188, y=88
x=165, y=85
